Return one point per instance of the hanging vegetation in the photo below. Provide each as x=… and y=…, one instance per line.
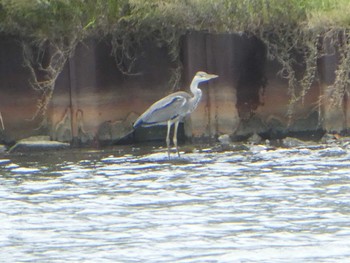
x=307, y=29
x=49, y=32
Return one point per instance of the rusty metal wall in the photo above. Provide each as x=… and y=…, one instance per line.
x=95, y=104
x=249, y=96
x=17, y=98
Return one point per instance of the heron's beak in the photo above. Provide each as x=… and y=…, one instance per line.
x=212, y=76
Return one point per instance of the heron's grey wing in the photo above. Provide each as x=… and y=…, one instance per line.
x=163, y=110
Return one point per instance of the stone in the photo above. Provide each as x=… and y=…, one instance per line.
x=225, y=139
x=258, y=148
x=36, y=138
x=35, y=144
x=329, y=138
x=254, y=139
x=63, y=129
x=117, y=130
x=290, y=142
x=2, y=148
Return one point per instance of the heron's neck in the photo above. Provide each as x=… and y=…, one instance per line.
x=197, y=93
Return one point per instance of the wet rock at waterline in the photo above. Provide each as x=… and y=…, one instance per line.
x=38, y=143
x=222, y=147
x=2, y=148
x=111, y=132
x=254, y=139
x=290, y=142
x=225, y=139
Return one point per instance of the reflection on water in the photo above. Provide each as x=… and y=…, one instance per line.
x=283, y=205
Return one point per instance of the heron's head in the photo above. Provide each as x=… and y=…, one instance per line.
x=203, y=76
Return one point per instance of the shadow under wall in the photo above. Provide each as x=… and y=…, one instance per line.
x=252, y=80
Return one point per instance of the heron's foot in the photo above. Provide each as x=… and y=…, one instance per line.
x=169, y=153
x=170, y=150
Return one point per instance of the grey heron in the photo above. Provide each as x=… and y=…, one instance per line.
x=173, y=108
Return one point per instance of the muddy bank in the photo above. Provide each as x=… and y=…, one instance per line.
x=333, y=144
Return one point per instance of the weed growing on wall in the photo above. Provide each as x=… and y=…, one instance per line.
x=297, y=33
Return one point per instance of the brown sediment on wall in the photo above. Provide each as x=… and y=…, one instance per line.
x=95, y=104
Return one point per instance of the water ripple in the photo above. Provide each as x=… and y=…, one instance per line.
x=263, y=205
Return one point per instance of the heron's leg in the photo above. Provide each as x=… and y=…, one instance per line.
x=168, y=138
x=175, y=138
x=2, y=122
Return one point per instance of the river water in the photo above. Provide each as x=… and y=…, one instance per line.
x=119, y=205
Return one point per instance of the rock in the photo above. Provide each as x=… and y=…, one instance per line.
x=114, y=131
x=83, y=136
x=34, y=144
x=258, y=148
x=225, y=139
x=62, y=131
x=2, y=148
x=227, y=145
x=290, y=142
x=254, y=139
x=36, y=138
x=230, y=147
x=240, y=147
x=222, y=148
x=329, y=138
